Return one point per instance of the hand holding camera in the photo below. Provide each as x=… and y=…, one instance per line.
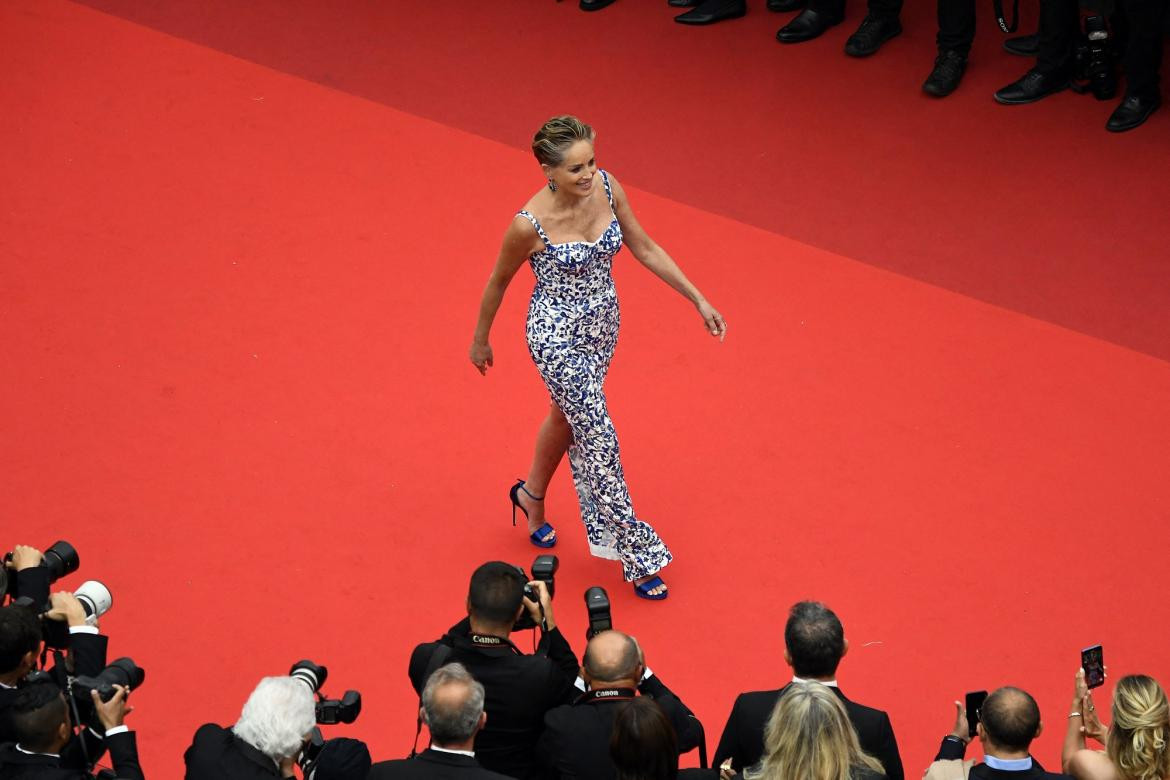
x=111, y=713
x=67, y=608
x=539, y=609
x=23, y=557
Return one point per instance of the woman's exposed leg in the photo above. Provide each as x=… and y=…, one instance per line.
x=552, y=440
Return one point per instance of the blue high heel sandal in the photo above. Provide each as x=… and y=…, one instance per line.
x=643, y=591
x=539, y=537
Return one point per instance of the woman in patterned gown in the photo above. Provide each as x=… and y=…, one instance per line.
x=572, y=330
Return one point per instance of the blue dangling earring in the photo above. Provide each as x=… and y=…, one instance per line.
x=552, y=185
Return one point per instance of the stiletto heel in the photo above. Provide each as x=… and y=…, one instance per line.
x=539, y=537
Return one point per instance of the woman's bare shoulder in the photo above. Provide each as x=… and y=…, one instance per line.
x=1092, y=765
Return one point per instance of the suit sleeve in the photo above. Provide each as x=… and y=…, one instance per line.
x=89, y=653
x=33, y=583
x=885, y=750
x=686, y=725
x=563, y=672
x=547, y=748
x=729, y=741
x=950, y=748
x=124, y=755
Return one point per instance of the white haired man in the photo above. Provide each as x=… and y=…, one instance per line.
x=276, y=721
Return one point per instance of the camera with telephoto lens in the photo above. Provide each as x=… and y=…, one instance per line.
x=121, y=672
x=329, y=711
x=95, y=599
x=597, y=606
x=59, y=559
x=1094, y=61
x=544, y=569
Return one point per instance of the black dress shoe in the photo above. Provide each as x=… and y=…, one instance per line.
x=784, y=6
x=711, y=11
x=1033, y=86
x=871, y=34
x=807, y=25
x=594, y=5
x=1023, y=45
x=1131, y=112
x=683, y=3
x=949, y=67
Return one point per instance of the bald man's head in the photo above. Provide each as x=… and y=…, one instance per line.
x=1010, y=718
x=611, y=657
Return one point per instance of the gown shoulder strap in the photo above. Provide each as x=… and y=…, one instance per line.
x=536, y=224
x=608, y=192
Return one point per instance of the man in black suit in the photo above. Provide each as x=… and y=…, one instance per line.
x=519, y=689
x=20, y=648
x=1008, y=722
x=39, y=716
x=814, y=645
x=576, y=736
x=277, y=720
x=452, y=708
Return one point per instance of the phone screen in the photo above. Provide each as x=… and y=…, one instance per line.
x=975, y=701
x=1093, y=662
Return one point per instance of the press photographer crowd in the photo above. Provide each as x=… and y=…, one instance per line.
x=494, y=711
x=1115, y=37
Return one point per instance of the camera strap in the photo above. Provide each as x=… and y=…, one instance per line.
x=1000, y=16
x=608, y=694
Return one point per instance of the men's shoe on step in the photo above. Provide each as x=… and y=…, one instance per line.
x=1034, y=85
x=784, y=6
x=871, y=34
x=711, y=11
x=594, y=5
x=1023, y=45
x=949, y=67
x=683, y=3
x=1131, y=112
x=807, y=25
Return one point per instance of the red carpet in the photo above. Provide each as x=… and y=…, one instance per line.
x=237, y=305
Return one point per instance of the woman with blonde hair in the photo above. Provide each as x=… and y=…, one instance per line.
x=809, y=737
x=569, y=233
x=1135, y=745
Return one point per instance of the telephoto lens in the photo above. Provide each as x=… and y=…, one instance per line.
x=311, y=674
x=95, y=598
x=60, y=559
x=121, y=672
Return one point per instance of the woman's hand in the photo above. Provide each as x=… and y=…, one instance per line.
x=1092, y=724
x=481, y=356
x=712, y=319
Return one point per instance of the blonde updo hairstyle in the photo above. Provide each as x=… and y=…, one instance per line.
x=1141, y=721
x=552, y=141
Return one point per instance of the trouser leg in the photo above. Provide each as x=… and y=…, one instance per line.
x=956, y=25
x=1059, y=26
x=1143, y=52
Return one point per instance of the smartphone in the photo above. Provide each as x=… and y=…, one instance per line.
x=975, y=701
x=1093, y=662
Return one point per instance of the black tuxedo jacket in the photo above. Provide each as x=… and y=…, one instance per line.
x=518, y=690
x=218, y=754
x=15, y=765
x=575, y=742
x=433, y=765
x=743, y=736
x=950, y=749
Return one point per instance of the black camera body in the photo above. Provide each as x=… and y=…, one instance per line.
x=598, y=607
x=59, y=559
x=544, y=569
x=328, y=711
x=1095, y=61
x=122, y=671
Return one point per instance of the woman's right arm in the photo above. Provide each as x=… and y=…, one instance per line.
x=518, y=244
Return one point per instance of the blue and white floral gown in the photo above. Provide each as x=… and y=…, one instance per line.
x=572, y=331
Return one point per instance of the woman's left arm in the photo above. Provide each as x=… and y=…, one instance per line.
x=657, y=260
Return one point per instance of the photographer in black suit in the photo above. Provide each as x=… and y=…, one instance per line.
x=815, y=643
x=519, y=689
x=1008, y=722
x=452, y=708
x=576, y=736
x=276, y=722
x=21, y=638
x=39, y=716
